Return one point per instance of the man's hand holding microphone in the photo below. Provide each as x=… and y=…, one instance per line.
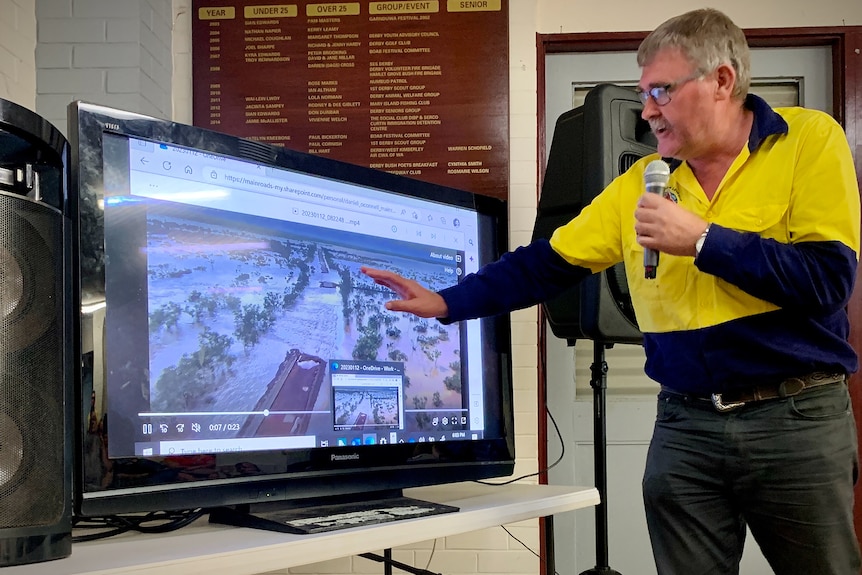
x=661, y=225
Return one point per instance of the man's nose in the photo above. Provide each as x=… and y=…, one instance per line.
x=650, y=109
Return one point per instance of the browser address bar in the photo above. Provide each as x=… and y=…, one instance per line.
x=282, y=188
x=268, y=197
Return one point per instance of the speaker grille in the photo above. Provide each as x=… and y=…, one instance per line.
x=11, y=449
x=627, y=160
x=31, y=364
x=256, y=151
x=11, y=283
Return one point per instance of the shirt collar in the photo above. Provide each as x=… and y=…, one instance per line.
x=767, y=122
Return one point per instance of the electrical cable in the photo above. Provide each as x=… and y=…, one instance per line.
x=546, y=469
x=431, y=556
x=524, y=545
x=117, y=524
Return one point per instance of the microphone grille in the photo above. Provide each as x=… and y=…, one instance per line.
x=657, y=172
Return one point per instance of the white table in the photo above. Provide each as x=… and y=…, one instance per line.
x=207, y=549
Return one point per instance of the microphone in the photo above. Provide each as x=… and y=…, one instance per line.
x=656, y=175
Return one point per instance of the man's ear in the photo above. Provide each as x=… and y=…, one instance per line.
x=725, y=77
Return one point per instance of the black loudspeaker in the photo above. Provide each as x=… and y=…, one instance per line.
x=592, y=145
x=38, y=340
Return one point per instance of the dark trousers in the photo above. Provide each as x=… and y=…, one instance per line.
x=784, y=467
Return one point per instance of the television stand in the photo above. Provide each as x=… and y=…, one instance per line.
x=318, y=516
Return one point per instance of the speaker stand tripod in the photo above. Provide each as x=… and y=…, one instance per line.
x=599, y=383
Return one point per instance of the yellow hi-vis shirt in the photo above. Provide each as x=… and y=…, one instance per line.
x=794, y=183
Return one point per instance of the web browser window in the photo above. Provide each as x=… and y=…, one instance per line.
x=263, y=334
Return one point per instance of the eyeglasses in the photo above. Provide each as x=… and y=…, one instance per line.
x=661, y=94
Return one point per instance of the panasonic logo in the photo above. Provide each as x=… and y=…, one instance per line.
x=335, y=457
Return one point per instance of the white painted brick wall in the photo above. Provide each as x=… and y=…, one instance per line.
x=182, y=54
x=17, y=52
x=112, y=52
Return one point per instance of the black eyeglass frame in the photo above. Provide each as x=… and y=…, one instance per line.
x=661, y=94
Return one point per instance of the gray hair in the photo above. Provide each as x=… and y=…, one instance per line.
x=708, y=39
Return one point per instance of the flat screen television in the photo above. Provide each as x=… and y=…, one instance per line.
x=233, y=353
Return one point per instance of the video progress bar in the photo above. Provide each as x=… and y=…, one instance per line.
x=202, y=413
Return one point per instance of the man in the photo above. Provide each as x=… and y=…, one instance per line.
x=745, y=326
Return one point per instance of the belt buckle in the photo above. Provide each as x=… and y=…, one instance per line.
x=723, y=407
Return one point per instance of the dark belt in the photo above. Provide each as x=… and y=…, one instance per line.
x=787, y=388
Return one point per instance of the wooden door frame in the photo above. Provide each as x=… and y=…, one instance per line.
x=846, y=45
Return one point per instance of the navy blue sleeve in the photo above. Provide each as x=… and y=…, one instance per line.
x=815, y=276
x=529, y=275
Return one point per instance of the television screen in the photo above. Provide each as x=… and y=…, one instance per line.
x=232, y=350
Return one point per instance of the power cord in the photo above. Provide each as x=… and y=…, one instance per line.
x=548, y=468
x=111, y=525
x=431, y=556
x=524, y=545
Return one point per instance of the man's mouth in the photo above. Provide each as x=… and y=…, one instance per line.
x=659, y=128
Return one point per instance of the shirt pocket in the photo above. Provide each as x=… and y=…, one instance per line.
x=661, y=304
x=671, y=275
x=767, y=220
